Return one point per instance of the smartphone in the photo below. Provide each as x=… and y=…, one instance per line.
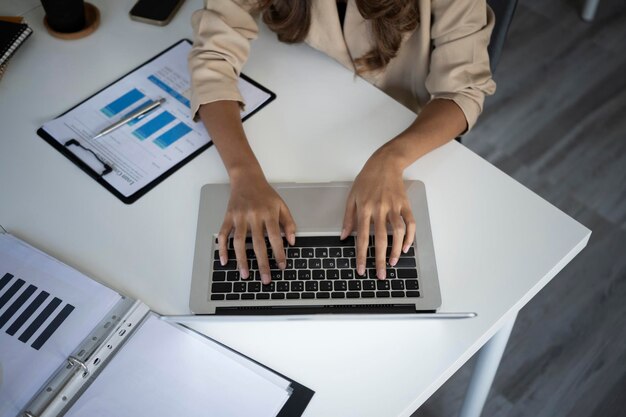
x=155, y=12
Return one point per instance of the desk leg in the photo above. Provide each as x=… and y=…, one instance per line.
x=485, y=370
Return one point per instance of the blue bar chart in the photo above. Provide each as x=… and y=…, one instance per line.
x=122, y=103
x=172, y=135
x=154, y=125
x=169, y=90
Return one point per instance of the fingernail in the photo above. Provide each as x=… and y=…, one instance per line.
x=292, y=239
x=393, y=261
x=405, y=249
x=244, y=273
x=223, y=260
x=381, y=273
x=265, y=278
x=360, y=269
x=282, y=265
x=344, y=234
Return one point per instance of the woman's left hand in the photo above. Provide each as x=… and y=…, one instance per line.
x=378, y=196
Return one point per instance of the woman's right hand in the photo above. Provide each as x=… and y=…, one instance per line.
x=255, y=207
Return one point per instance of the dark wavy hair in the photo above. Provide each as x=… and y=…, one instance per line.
x=390, y=19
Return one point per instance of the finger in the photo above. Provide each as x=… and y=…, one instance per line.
x=362, y=239
x=348, y=218
x=276, y=241
x=289, y=225
x=407, y=215
x=380, y=243
x=260, y=249
x=239, y=243
x=398, y=227
x=222, y=239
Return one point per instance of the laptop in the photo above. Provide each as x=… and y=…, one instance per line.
x=321, y=272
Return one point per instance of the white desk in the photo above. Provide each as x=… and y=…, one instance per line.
x=497, y=243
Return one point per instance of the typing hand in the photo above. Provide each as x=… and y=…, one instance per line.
x=378, y=196
x=254, y=205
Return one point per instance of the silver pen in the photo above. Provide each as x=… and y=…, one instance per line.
x=137, y=113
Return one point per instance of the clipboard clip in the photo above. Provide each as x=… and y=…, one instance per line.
x=106, y=168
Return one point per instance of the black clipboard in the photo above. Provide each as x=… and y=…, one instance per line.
x=64, y=148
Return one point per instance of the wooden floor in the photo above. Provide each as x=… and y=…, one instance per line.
x=558, y=125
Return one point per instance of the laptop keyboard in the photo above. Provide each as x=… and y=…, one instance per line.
x=318, y=267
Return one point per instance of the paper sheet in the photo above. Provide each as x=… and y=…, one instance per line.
x=165, y=371
x=46, y=310
x=141, y=151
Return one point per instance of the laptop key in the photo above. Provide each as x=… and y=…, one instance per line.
x=304, y=274
x=233, y=276
x=271, y=287
x=340, y=286
x=397, y=284
x=353, y=294
x=230, y=265
x=262, y=296
x=338, y=295
x=277, y=275
x=293, y=253
x=307, y=253
x=332, y=274
x=289, y=275
x=408, y=262
x=239, y=287
x=406, y=273
x=247, y=296
x=232, y=296
x=308, y=295
x=411, y=284
x=321, y=253
x=329, y=263
x=412, y=293
x=354, y=285
x=315, y=263
x=396, y=294
x=293, y=295
x=319, y=274
x=323, y=295
x=371, y=273
x=298, y=286
x=221, y=287
x=282, y=286
x=278, y=296
x=334, y=252
x=369, y=285
x=300, y=263
x=347, y=274
x=410, y=252
x=343, y=263
x=391, y=273
x=311, y=285
x=383, y=285
x=217, y=296
x=326, y=286
x=382, y=294
x=367, y=294
x=349, y=252
x=219, y=276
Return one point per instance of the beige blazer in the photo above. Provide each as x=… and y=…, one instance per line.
x=444, y=57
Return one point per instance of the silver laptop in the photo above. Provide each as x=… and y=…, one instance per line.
x=320, y=276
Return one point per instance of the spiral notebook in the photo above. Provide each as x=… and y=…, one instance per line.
x=13, y=33
x=70, y=346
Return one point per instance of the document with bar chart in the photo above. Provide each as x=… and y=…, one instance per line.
x=134, y=158
x=71, y=346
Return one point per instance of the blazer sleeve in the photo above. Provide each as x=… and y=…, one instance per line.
x=459, y=65
x=222, y=32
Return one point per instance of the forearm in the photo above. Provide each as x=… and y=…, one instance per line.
x=223, y=122
x=439, y=122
